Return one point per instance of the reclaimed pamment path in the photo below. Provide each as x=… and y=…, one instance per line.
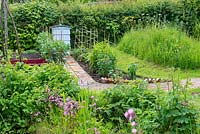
x=86, y=81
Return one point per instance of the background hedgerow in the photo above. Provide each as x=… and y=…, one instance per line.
x=162, y=45
x=32, y=18
x=111, y=20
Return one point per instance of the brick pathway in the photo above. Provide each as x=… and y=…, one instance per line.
x=85, y=81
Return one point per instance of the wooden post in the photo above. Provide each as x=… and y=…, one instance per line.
x=16, y=33
x=5, y=30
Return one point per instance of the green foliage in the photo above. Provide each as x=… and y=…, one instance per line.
x=190, y=16
x=81, y=53
x=177, y=115
x=101, y=59
x=31, y=18
x=166, y=46
x=156, y=111
x=23, y=93
x=52, y=51
x=196, y=31
x=83, y=121
x=132, y=68
x=116, y=101
x=111, y=20
x=151, y=70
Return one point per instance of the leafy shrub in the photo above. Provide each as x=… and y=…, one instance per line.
x=81, y=53
x=101, y=59
x=157, y=111
x=166, y=46
x=176, y=113
x=52, y=50
x=116, y=101
x=23, y=93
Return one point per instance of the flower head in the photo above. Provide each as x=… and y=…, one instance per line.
x=130, y=114
x=134, y=131
x=133, y=123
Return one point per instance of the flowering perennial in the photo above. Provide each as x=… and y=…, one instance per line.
x=71, y=107
x=130, y=115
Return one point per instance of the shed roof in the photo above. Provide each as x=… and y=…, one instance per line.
x=60, y=26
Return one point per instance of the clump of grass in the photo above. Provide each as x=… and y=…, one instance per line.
x=162, y=45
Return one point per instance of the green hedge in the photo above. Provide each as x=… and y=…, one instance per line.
x=31, y=19
x=111, y=20
x=166, y=46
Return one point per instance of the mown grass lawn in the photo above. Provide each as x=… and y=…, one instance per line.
x=147, y=69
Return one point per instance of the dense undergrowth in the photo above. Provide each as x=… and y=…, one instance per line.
x=165, y=46
x=24, y=91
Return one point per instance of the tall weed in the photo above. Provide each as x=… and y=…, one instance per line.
x=163, y=45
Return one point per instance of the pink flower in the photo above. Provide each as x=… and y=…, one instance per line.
x=126, y=114
x=133, y=123
x=130, y=111
x=130, y=114
x=134, y=131
x=66, y=113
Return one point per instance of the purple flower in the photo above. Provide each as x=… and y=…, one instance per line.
x=71, y=107
x=68, y=99
x=66, y=113
x=94, y=104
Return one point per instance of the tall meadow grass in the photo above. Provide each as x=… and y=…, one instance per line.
x=166, y=46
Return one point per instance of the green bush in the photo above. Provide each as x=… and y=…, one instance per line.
x=23, y=93
x=101, y=59
x=166, y=46
x=52, y=51
x=116, y=101
x=176, y=113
